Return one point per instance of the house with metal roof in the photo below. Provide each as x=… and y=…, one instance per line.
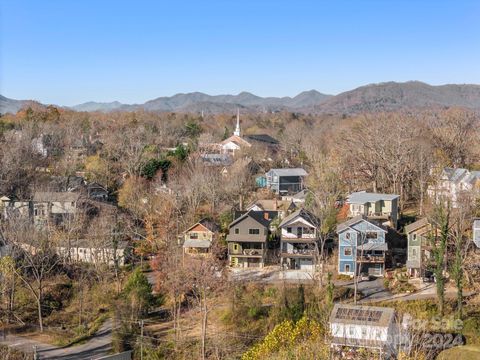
x=299, y=240
x=361, y=247
x=247, y=240
x=382, y=208
x=369, y=328
x=286, y=180
x=454, y=185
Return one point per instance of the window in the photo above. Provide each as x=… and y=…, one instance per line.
x=235, y=247
x=347, y=251
x=364, y=332
x=351, y=330
x=414, y=253
x=289, y=230
x=254, y=231
x=347, y=268
x=347, y=236
x=237, y=231
x=371, y=235
x=36, y=212
x=378, y=334
x=194, y=235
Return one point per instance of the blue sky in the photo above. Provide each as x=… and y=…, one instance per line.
x=71, y=51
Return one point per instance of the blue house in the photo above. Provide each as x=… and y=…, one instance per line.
x=361, y=247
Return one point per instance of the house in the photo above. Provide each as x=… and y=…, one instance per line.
x=286, y=181
x=454, y=184
x=282, y=208
x=108, y=253
x=364, y=328
x=476, y=232
x=299, y=240
x=10, y=207
x=247, y=240
x=96, y=191
x=222, y=160
x=54, y=207
x=199, y=237
x=418, y=253
x=362, y=247
x=298, y=198
x=378, y=207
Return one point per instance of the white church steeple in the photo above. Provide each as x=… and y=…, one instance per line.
x=237, y=129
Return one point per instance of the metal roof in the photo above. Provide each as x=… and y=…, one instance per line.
x=362, y=315
x=55, y=196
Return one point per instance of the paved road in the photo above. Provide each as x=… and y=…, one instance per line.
x=99, y=345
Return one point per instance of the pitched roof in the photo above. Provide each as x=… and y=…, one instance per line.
x=349, y=223
x=263, y=138
x=206, y=223
x=289, y=172
x=237, y=140
x=304, y=214
x=273, y=205
x=362, y=197
x=255, y=215
x=362, y=315
x=416, y=225
x=48, y=196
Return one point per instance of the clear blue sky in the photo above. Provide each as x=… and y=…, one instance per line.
x=71, y=51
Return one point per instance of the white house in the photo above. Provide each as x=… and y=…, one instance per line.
x=453, y=184
x=299, y=240
x=367, y=327
x=82, y=251
x=476, y=232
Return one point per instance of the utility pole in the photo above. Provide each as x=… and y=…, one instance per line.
x=141, y=339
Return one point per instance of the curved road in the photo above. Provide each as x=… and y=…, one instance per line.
x=99, y=345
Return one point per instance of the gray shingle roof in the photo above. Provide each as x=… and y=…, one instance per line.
x=362, y=197
x=416, y=225
x=204, y=244
x=48, y=196
x=289, y=172
x=305, y=214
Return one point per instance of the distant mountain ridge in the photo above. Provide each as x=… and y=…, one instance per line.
x=386, y=96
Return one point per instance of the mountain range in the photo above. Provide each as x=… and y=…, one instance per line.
x=370, y=98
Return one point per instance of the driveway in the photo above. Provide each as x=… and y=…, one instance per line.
x=99, y=345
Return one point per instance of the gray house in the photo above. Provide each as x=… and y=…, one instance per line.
x=286, y=181
x=247, y=240
x=419, y=249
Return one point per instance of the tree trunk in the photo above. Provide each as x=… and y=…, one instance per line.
x=204, y=326
x=39, y=308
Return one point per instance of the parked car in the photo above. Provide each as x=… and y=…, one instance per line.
x=365, y=277
x=428, y=277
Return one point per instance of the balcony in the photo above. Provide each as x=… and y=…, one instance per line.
x=246, y=252
x=299, y=253
x=371, y=259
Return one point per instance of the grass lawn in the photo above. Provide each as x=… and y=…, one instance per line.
x=467, y=352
